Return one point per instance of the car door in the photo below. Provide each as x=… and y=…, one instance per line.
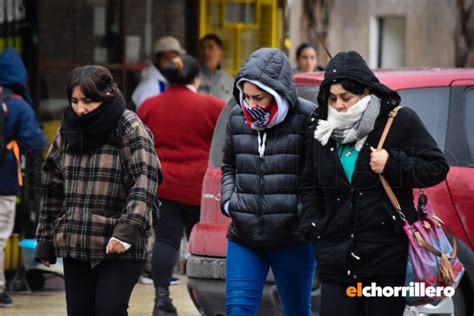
x=460, y=149
x=432, y=106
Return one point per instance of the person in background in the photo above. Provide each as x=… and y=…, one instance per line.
x=307, y=59
x=214, y=80
x=98, y=191
x=263, y=159
x=20, y=133
x=356, y=232
x=152, y=82
x=182, y=122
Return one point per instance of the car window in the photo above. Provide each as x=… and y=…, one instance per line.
x=309, y=92
x=469, y=115
x=432, y=106
x=219, y=134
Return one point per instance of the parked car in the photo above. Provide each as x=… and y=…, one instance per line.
x=444, y=99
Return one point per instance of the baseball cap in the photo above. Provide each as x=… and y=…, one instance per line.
x=168, y=43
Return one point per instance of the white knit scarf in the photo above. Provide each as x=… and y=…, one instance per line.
x=349, y=123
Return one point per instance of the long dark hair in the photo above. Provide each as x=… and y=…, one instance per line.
x=183, y=70
x=96, y=82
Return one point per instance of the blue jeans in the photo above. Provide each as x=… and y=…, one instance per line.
x=246, y=272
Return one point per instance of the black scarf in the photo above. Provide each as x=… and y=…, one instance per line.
x=83, y=134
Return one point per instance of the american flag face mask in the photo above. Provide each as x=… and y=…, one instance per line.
x=257, y=116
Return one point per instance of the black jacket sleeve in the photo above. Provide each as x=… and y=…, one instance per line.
x=228, y=168
x=311, y=195
x=416, y=162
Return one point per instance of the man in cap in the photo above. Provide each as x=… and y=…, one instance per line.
x=152, y=82
x=214, y=80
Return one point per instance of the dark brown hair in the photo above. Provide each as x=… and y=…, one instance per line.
x=96, y=82
x=352, y=86
x=183, y=70
x=302, y=47
x=211, y=37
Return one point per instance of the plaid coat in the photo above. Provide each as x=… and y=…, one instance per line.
x=89, y=198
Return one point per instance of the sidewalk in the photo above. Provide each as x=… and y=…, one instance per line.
x=51, y=301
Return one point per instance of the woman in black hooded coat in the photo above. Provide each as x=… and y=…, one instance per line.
x=263, y=159
x=356, y=233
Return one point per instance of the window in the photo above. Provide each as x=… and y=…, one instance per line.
x=218, y=138
x=387, y=42
x=244, y=13
x=468, y=124
x=309, y=93
x=432, y=106
x=89, y=32
x=243, y=25
x=18, y=29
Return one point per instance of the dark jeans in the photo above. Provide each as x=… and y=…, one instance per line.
x=334, y=300
x=101, y=291
x=174, y=217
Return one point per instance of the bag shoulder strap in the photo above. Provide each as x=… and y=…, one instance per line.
x=386, y=185
x=391, y=195
x=388, y=125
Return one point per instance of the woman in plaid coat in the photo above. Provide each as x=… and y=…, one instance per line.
x=99, y=184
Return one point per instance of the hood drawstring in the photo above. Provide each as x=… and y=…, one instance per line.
x=262, y=139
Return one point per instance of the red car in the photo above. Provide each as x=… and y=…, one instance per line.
x=444, y=99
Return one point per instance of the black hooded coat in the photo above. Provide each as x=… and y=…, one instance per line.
x=355, y=230
x=263, y=191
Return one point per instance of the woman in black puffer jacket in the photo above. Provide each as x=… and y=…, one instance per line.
x=356, y=232
x=263, y=159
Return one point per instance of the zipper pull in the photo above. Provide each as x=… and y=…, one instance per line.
x=262, y=139
x=354, y=255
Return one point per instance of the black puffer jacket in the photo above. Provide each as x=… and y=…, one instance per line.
x=356, y=233
x=263, y=191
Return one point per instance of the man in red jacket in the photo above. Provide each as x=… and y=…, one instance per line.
x=182, y=122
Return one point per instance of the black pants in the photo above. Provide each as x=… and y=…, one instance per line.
x=101, y=291
x=334, y=300
x=174, y=217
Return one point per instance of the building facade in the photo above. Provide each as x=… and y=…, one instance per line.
x=388, y=33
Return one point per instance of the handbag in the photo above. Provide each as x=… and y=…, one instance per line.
x=432, y=261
